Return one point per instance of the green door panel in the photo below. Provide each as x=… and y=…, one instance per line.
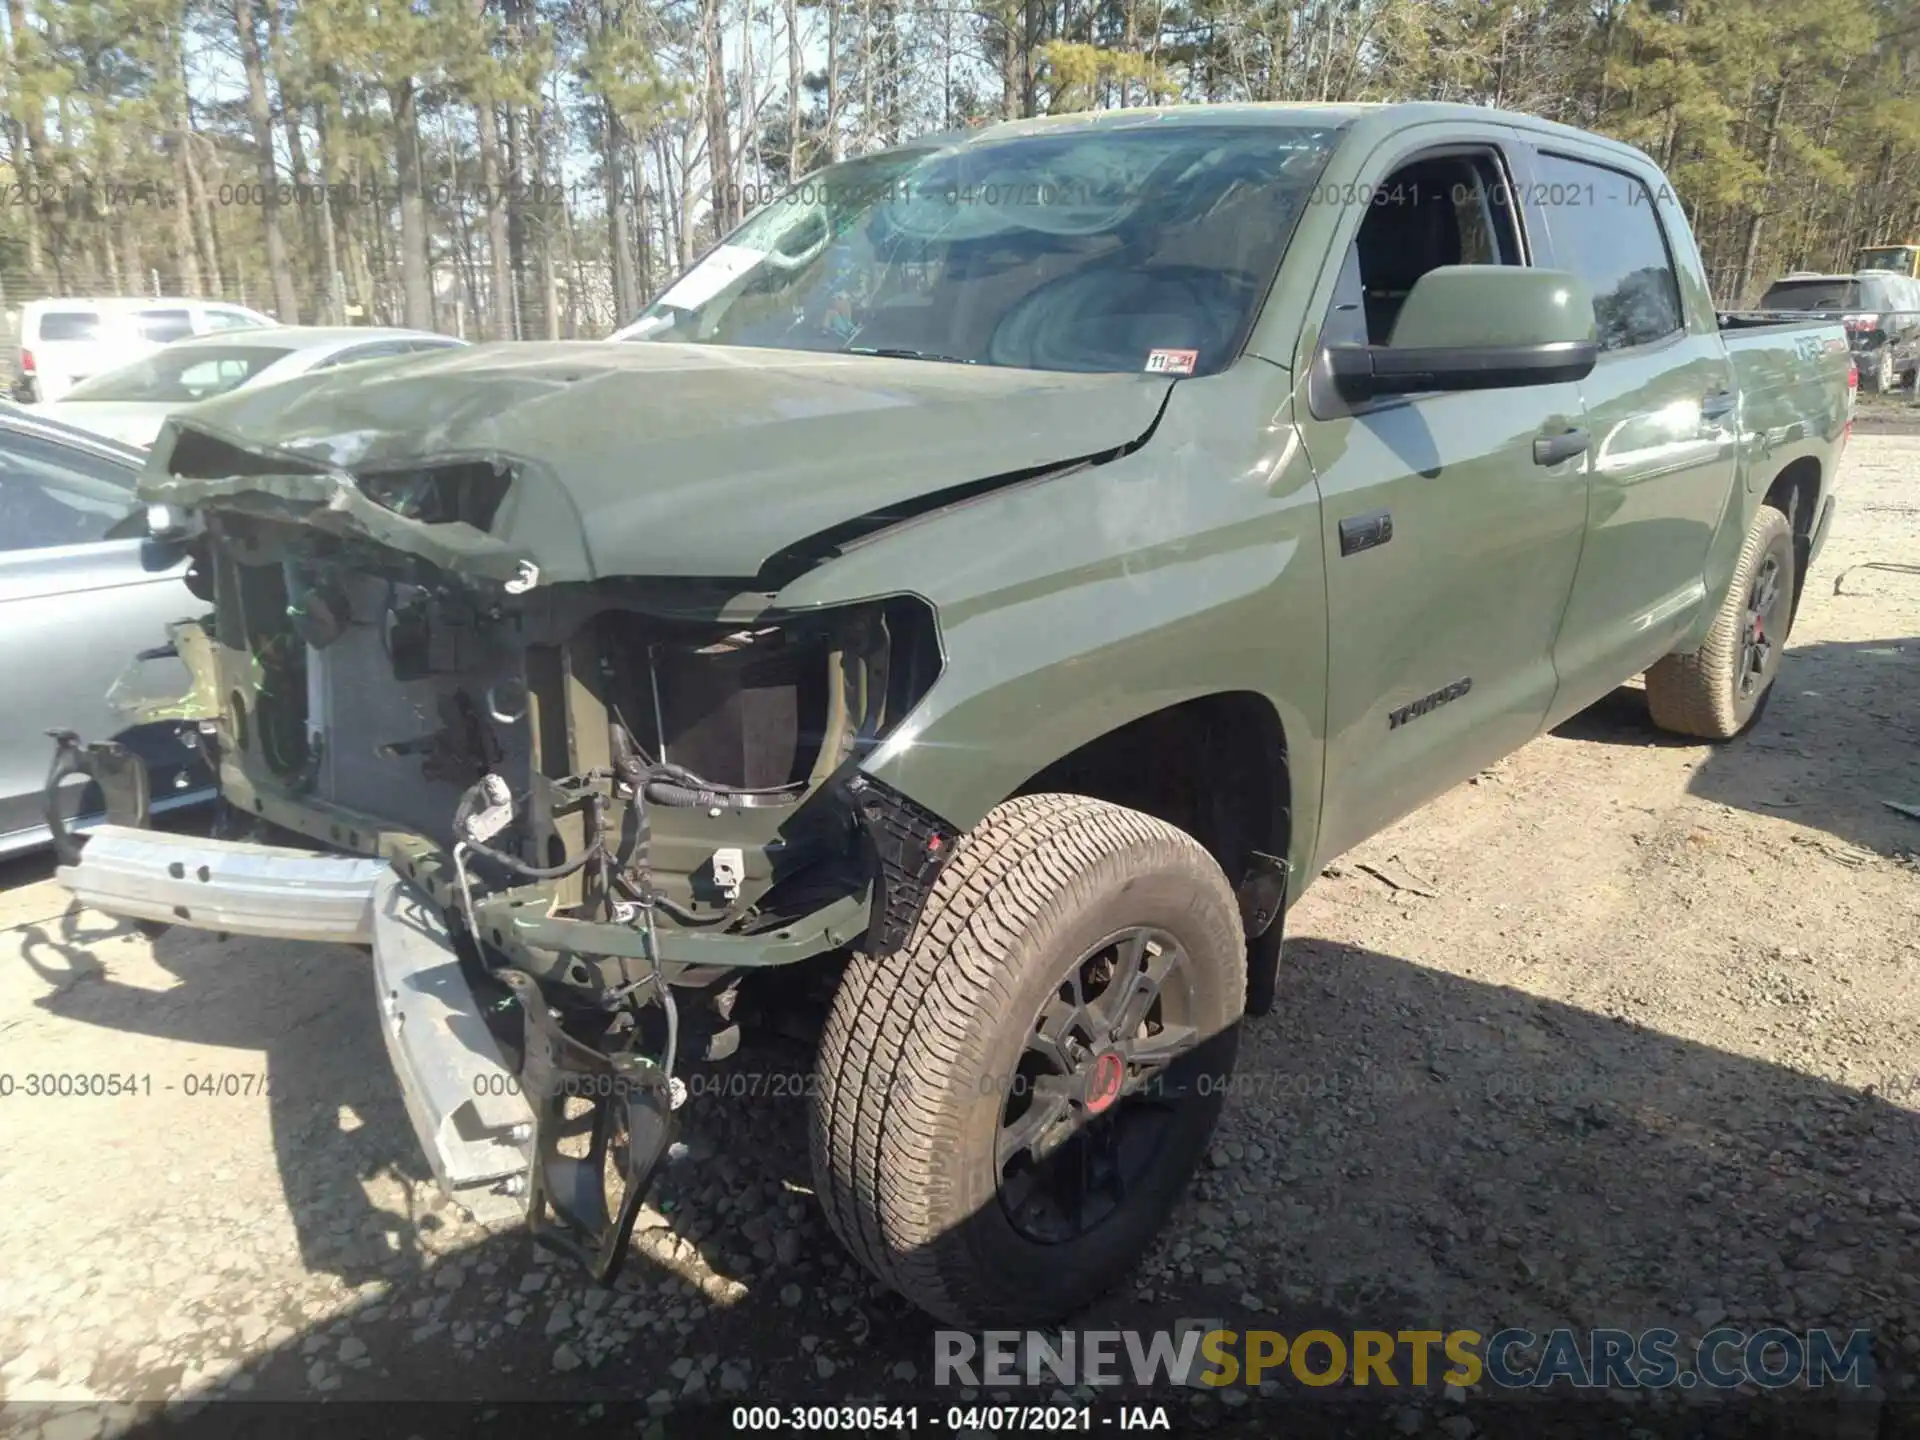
x=1661, y=409
x=1661, y=477
x=1470, y=589
x=1440, y=640
x=1073, y=605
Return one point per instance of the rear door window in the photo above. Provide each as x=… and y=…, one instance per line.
x=70, y=325
x=1607, y=232
x=163, y=326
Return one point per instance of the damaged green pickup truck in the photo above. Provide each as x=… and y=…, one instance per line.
x=981, y=594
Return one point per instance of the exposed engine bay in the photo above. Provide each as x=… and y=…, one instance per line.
x=592, y=755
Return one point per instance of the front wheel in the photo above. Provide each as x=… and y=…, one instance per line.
x=1720, y=689
x=1008, y=1107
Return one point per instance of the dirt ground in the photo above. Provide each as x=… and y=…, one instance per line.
x=1625, y=1032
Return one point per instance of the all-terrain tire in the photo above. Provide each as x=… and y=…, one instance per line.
x=909, y=1100
x=1699, y=694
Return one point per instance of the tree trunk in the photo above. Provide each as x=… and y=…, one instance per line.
x=335, y=308
x=642, y=221
x=547, y=173
x=186, y=257
x=29, y=139
x=685, y=232
x=517, y=247
x=866, y=72
x=669, y=208
x=518, y=197
x=726, y=195
x=1010, y=83
x=260, y=120
x=749, y=108
x=626, y=294
x=576, y=281
x=793, y=95
x=833, y=80
x=206, y=233
x=296, y=142
x=206, y=237
x=1757, y=219
x=416, y=276
x=486, y=125
x=1029, y=75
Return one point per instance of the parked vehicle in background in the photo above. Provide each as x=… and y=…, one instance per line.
x=1002, y=577
x=63, y=342
x=83, y=589
x=1901, y=259
x=129, y=404
x=1879, y=310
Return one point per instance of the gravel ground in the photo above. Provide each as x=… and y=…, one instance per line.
x=1625, y=1032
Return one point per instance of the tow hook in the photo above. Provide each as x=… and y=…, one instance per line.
x=632, y=1101
x=120, y=774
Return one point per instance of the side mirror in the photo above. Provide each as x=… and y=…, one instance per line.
x=1477, y=327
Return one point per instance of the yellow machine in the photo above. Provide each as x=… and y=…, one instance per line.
x=1901, y=259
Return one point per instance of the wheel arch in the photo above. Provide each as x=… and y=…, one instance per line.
x=1795, y=493
x=1216, y=766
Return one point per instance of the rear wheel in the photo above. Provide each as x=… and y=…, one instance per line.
x=1009, y=1106
x=1720, y=689
x=1881, y=376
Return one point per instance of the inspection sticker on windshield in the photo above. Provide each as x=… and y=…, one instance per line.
x=1172, y=362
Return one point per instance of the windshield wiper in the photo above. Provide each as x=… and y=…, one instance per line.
x=895, y=352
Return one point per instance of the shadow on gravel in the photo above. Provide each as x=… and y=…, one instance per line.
x=335, y=1115
x=1840, y=735
x=1559, y=1168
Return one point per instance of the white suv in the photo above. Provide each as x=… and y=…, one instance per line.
x=63, y=342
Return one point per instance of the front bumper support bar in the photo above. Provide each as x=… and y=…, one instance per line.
x=465, y=1104
x=230, y=885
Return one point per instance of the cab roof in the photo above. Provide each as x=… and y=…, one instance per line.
x=1367, y=121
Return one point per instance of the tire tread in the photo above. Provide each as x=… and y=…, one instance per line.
x=1693, y=694
x=894, y=1056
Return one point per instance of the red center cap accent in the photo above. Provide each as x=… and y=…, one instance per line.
x=1103, y=1085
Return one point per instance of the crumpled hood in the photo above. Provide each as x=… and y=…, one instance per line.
x=648, y=459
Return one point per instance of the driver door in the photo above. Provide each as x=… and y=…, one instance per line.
x=1451, y=538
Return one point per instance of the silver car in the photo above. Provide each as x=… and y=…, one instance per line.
x=83, y=589
x=130, y=403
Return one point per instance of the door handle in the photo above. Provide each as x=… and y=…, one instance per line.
x=1552, y=449
x=1717, y=406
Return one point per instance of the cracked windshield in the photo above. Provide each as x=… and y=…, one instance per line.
x=1098, y=250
